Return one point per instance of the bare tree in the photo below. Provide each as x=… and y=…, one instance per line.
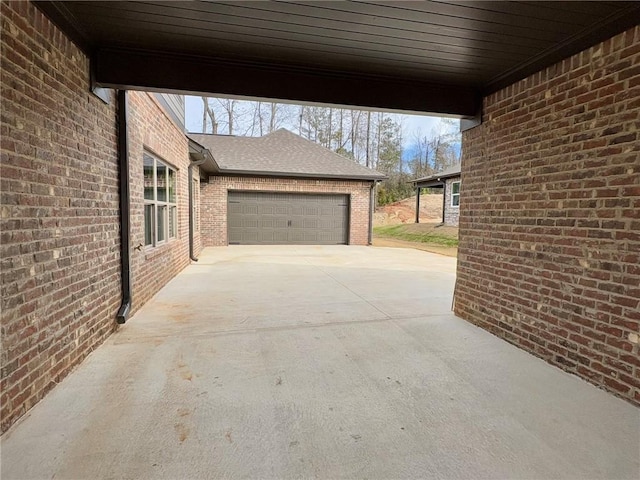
x=208, y=112
x=204, y=114
x=257, y=120
x=368, y=159
x=341, y=130
x=273, y=117
x=229, y=106
x=279, y=115
x=379, y=137
x=301, y=119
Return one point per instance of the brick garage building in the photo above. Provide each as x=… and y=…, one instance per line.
x=283, y=189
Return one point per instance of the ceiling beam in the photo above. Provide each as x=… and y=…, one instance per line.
x=158, y=71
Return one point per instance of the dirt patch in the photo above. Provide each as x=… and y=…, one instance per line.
x=395, y=243
x=182, y=431
x=404, y=211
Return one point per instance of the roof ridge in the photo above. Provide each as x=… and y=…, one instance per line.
x=282, y=151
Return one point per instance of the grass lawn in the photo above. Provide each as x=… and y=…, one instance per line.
x=429, y=233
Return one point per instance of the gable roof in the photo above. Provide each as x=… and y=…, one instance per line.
x=281, y=154
x=437, y=178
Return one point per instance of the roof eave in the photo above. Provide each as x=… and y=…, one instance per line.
x=263, y=173
x=434, y=178
x=198, y=152
x=430, y=184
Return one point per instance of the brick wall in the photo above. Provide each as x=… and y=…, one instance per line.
x=59, y=222
x=152, y=129
x=59, y=216
x=451, y=213
x=549, y=255
x=213, y=200
x=197, y=239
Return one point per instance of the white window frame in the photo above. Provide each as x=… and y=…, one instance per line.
x=455, y=195
x=156, y=210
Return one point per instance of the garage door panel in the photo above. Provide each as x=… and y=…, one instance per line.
x=267, y=222
x=311, y=210
x=266, y=209
x=280, y=236
x=250, y=223
x=310, y=223
x=328, y=210
x=287, y=218
x=250, y=209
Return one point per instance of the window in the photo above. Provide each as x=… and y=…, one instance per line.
x=160, y=211
x=455, y=194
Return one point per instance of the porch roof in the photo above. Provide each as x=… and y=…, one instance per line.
x=436, y=57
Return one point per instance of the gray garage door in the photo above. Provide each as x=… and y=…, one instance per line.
x=263, y=218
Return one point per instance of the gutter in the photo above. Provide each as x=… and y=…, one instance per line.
x=199, y=155
x=222, y=172
x=125, y=207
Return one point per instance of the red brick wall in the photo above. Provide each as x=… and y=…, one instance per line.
x=549, y=255
x=213, y=198
x=59, y=219
x=150, y=128
x=197, y=240
x=59, y=222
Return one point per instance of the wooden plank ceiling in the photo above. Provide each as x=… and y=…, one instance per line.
x=427, y=56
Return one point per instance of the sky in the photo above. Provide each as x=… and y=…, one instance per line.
x=410, y=123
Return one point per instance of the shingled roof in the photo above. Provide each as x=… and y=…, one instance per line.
x=280, y=154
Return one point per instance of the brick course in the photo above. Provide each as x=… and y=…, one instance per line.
x=550, y=216
x=59, y=222
x=213, y=200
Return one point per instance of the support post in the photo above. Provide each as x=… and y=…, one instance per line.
x=444, y=199
x=418, y=204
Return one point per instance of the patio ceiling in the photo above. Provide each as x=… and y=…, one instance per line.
x=437, y=57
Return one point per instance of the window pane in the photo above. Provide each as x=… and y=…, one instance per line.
x=456, y=200
x=148, y=224
x=161, y=179
x=172, y=186
x=148, y=177
x=456, y=187
x=162, y=223
x=173, y=223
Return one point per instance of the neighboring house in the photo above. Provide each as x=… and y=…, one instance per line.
x=282, y=189
x=449, y=180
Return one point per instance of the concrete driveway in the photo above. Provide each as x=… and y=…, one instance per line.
x=326, y=362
